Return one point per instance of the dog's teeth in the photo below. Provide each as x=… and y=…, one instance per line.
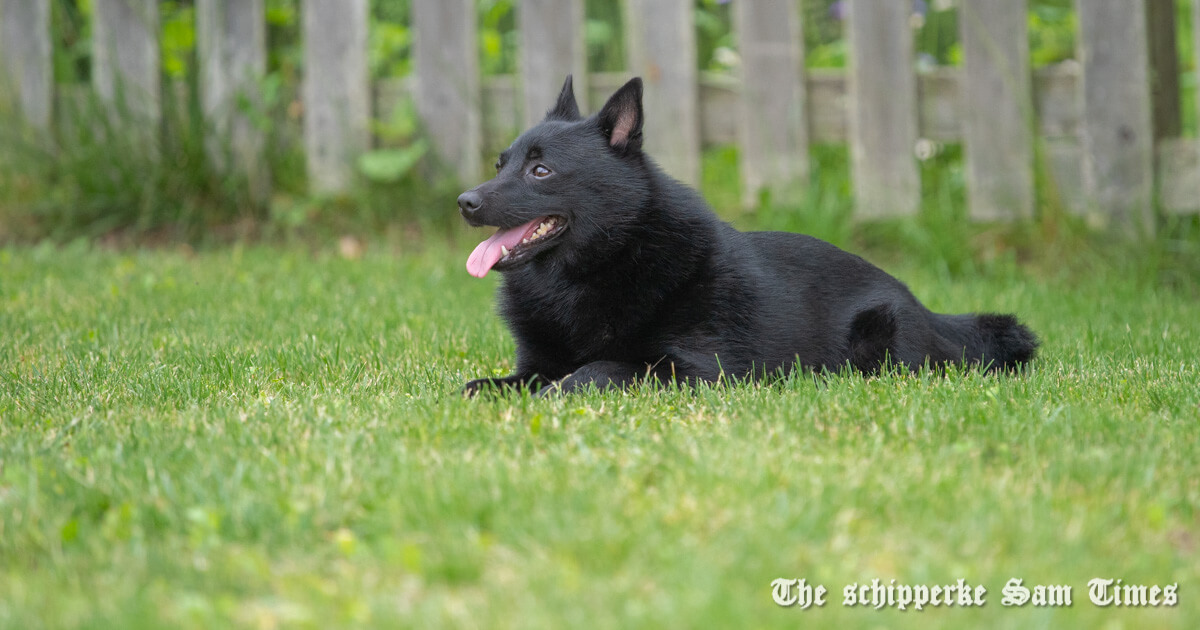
x=504, y=250
x=524, y=240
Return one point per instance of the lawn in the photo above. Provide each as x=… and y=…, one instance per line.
x=271, y=436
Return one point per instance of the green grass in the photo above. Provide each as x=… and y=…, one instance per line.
x=271, y=437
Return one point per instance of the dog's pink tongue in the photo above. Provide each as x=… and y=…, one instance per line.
x=488, y=253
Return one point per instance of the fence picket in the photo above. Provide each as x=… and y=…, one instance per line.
x=552, y=46
x=1116, y=132
x=26, y=53
x=883, y=108
x=446, y=57
x=126, y=70
x=773, y=134
x=997, y=112
x=661, y=41
x=336, y=91
x=1191, y=175
x=232, y=48
x=1166, y=111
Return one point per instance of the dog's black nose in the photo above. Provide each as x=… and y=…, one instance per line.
x=469, y=203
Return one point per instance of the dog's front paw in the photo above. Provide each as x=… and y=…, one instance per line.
x=471, y=388
x=505, y=385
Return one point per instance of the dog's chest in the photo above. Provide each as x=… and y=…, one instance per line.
x=587, y=321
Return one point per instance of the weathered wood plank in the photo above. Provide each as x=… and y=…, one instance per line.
x=502, y=116
x=773, y=131
x=552, y=46
x=1117, y=136
x=719, y=109
x=1062, y=161
x=828, y=118
x=1056, y=99
x=1056, y=102
x=883, y=109
x=1196, y=47
x=126, y=69
x=447, y=82
x=336, y=92
x=27, y=56
x=502, y=120
x=1167, y=112
x=1055, y=93
x=939, y=104
x=661, y=40
x=1178, y=160
x=997, y=109
x=1179, y=175
x=232, y=48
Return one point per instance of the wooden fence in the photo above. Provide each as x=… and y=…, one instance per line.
x=1104, y=130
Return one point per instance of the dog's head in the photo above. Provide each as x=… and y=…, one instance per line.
x=564, y=187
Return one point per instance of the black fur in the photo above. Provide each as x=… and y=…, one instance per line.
x=646, y=281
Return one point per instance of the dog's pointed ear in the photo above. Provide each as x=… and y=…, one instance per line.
x=565, y=108
x=621, y=117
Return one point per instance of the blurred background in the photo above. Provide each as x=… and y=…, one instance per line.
x=965, y=130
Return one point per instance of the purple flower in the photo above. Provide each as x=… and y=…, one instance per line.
x=837, y=10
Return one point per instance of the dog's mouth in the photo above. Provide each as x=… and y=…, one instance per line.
x=511, y=246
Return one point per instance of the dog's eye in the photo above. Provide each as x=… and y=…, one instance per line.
x=540, y=171
x=498, y=166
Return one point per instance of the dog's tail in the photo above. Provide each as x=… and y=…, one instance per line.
x=997, y=342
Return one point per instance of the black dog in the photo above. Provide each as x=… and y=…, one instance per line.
x=616, y=272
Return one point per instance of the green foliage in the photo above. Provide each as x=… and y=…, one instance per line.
x=824, y=42
x=936, y=33
x=826, y=208
x=720, y=179
x=498, y=37
x=1052, y=28
x=71, y=25
x=389, y=166
x=286, y=12
x=1189, y=81
x=714, y=35
x=105, y=173
x=604, y=32
x=272, y=437
x=284, y=51
x=390, y=49
x=178, y=41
